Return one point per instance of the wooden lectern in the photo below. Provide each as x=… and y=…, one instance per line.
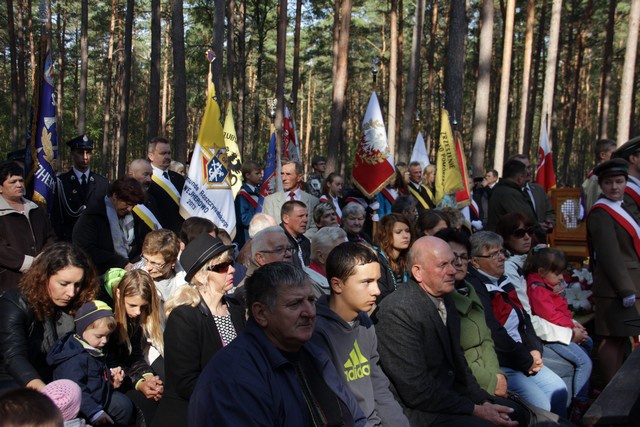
x=570, y=233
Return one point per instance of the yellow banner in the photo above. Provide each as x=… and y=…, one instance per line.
x=233, y=153
x=448, y=176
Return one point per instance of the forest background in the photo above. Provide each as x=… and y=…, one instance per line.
x=127, y=70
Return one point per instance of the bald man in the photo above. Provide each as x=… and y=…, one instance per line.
x=418, y=333
x=144, y=215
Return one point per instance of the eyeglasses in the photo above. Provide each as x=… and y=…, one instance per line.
x=520, y=232
x=280, y=250
x=493, y=255
x=154, y=264
x=460, y=258
x=223, y=267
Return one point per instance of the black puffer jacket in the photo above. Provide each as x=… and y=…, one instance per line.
x=23, y=348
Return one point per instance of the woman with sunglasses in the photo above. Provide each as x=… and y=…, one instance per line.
x=200, y=321
x=518, y=232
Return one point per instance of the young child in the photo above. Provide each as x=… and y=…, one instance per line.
x=344, y=329
x=79, y=357
x=67, y=396
x=544, y=268
x=26, y=407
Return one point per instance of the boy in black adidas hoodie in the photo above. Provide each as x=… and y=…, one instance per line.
x=343, y=327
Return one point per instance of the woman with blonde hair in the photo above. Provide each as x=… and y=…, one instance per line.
x=393, y=239
x=200, y=321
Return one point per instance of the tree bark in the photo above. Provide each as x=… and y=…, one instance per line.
x=393, y=77
x=454, y=74
x=481, y=114
x=526, y=72
x=61, y=27
x=281, y=55
x=84, y=66
x=296, y=61
x=13, y=57
x=503, y=104
x=410, y=102
x=165, y=75
x=628, y=74
x=339, y=88
x=605, y=78
x=23, y=107
x=552, y=61
x=231, y=46
x=242, y=85
x=106, y=124
x=531, y=108
x=179, y=82
x=218, y=46
x=126, y=86
x=154, y=70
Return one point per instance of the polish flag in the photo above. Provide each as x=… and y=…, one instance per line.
x=545, y=174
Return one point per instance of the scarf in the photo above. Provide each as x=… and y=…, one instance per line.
x=121, y=229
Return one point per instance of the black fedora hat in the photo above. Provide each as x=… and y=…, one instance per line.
x=199, y=251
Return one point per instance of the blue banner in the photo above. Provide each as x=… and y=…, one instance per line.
x=43, y=142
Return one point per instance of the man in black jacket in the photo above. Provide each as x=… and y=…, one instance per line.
x=418, y=340
x=166, y=186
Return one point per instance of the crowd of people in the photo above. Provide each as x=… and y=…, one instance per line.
x=325, y=308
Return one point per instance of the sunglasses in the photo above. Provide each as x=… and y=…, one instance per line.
x=520, y=232
x=223, y=267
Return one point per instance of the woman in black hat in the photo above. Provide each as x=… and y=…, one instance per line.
x=201, y=320
x=614, y=243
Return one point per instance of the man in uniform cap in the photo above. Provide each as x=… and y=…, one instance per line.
x=630, y=151
x=76, y=188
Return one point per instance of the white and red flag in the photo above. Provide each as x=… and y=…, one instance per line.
x=545, y=173
x=373, y=166
x=290, y=149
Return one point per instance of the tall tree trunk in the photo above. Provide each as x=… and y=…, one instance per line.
x=154, y=71
x=428, y=114
x=454, y=75
x=340, y=81
x=531, y=108
x=410, y=102
x=126, y=86
x=296, y=61
x=165, y=75
x=22, y=76
x=260, y=16
x=505, y=76
x=307, y=138
x=605, y=78
x=231, y=46
x=526, y=72
x=179, y=82
x=552, y=62
x=481, y=114
x=628, y=74
x=218, y=46
x=242, y=85
x=281, y=55
x=84, y=66
x=106, y=124
x=61, y=27
x=13, y=57
x=393, y=77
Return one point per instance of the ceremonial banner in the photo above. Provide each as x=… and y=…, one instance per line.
x=269, y=178
x=373, y=166
x=545, y=174
x=290, y=149
x=448, y=175
x=463, y=197
x=420, y=153
x=233, y=153
x=207, y=190
x=42, y=144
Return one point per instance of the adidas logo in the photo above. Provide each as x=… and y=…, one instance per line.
x=357, y=366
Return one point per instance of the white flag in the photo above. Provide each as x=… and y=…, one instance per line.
x=420, y=153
